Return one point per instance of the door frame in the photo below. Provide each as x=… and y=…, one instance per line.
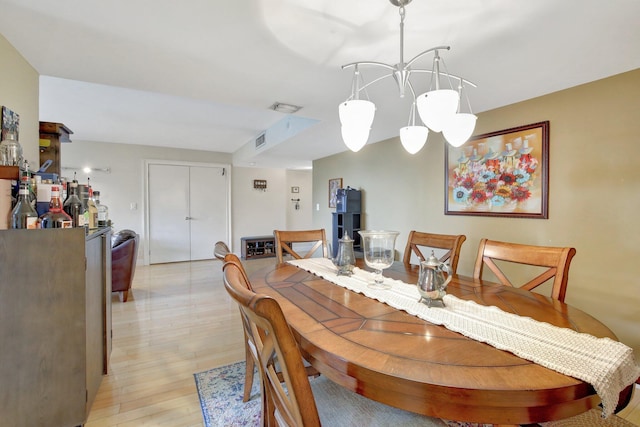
x=145, y=186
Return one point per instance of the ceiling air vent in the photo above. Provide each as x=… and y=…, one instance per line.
x=260, y=141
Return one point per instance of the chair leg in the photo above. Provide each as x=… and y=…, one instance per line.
x=248, y=376
x=124, y=295
x=268, y=409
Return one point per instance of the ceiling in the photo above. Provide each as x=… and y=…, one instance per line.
x=202, y=74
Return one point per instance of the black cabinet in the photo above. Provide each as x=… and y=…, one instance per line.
x=347, y=222
x=348, y=200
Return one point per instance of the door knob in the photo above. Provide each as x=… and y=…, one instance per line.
x=187, y=218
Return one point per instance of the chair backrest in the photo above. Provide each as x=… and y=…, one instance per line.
x=269, y=339
x=123, y=236
x=556, y=259
x=449, y=242
x=233, y=259
x=286, y=239
x=220, y=250
x=124, y=255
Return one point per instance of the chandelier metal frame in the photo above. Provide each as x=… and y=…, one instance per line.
x=401, y=73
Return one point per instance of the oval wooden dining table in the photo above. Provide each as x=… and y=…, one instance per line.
x=396, y=358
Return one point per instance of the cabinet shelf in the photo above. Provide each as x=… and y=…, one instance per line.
x=9, y=172
x=258, y=247
x=347, y=222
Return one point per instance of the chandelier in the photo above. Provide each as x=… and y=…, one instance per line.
x=438, y=108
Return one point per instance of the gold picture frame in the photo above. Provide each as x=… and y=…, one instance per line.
x=334, y=185
x=503, y=173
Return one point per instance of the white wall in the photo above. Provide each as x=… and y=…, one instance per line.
x=258, y=213
x=253, y=212
x=300, y=219
x=122, y=190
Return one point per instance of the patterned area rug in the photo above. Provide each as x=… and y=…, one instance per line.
x=220, y=390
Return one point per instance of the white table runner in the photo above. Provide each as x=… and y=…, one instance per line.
x=608, y=365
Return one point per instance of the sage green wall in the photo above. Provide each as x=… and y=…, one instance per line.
x=594, y=194
x=19, y=90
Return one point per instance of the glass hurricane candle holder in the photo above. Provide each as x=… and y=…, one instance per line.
x=379, y=253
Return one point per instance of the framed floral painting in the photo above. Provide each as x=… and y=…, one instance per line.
x=503, y=173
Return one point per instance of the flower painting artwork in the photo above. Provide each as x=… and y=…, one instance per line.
x=10, y=123
x=502, y=173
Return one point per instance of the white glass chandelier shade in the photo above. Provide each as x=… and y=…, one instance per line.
x=413, y=138
x=357, y=113
x=459, y=128
x=355, y=137
x=437, y=106
x=356, y=117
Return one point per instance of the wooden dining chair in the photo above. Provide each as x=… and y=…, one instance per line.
x=289, y=398
x=449, y=242
x=220, y=250
x=250, y=360
x=285, y=243
x=556, y=260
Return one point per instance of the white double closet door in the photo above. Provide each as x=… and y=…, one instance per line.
x=188, y=211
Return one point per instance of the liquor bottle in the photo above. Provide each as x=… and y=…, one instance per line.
x=23, y=215
x=25, y=181
x=56, y=217
x=93, y=210
x=33, y=193
x=66, y=185
x=64, y=190
x=103, y=210
x=84, y=197
x=73, y=206
x=25, y=176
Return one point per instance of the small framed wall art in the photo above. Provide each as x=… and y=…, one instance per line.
x=10, y=123
x=260, y=184
x=334, y=184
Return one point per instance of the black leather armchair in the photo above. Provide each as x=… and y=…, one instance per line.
x=124, y=251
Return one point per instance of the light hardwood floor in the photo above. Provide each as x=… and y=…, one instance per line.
x=179, y=320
